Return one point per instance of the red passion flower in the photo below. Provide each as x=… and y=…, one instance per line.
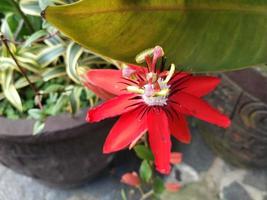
x=153, y=100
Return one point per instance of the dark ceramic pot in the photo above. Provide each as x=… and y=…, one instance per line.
x=68, y=153
x=242, y=95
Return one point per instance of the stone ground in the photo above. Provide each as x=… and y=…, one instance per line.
x=204, y=176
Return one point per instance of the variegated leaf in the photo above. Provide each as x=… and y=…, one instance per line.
x=10, y=90
x=74, y=51
x=75, y=99
x=50, y=54
x=37, y=35
x=6, y=28
x=30, y=7
x=54, y=72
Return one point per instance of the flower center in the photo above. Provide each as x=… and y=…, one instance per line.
x=156, y=96
x=156, y=89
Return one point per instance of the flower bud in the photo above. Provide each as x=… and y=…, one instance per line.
x=172, y=187
x=176, y=158
x=131, y=179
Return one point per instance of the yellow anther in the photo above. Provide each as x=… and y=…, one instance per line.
x=163, y=92
x=135, y=89
x=170, y=74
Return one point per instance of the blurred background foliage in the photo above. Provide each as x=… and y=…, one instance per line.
x=49, y=59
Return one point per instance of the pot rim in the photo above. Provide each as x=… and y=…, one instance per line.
x=23, y=127
x=247, y=80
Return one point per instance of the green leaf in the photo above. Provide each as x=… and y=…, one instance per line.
x=37, y=35
x=50, y=54
x=38, y=127
x=54, y=88
x=7, y=63
x=44, y=3
x=9, y=25
x=10, y=90
x=6, y=6
x=205, y=35
x=145, y=171
x=143, y=152
x=158, y=185
x=75, y=99
x=30, y=7
x=123, y=195
x=28, y=63
x=74, y=51
x=61, y=103
x=36, y=114
x=22, y=82
x=55, y=40
x=54, y=72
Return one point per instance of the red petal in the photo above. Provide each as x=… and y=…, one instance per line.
x=178, y=76
x=138, y=68
x=179, y=127
x=113, y=107
x=200, y=85
x=126, y=130
x=197, y=107
x=107, y=79
x=159, y=139
x=131, y=179
x=172, y=187
x=176, y=158
x=99, y=92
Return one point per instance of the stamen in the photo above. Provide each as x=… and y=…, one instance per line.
x=162, y=93
x=170, y=74
x=135, y=89
x=141, y=57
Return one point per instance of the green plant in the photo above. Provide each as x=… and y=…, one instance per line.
x=38, y=65
x=204, y=35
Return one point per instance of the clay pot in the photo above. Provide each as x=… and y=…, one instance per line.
x=242, y=95
x=68, y=153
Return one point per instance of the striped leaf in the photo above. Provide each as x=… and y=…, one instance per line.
x=6, y=27
x=37, y=35
x=60, y=104
x=30, y=7
x=50, y=54
x=55, y=72
x=74, y=51
x=75, y=99
x=28, y=63
x=38, y=127
x=22, y=82
x=7, y=63
x=9, y=89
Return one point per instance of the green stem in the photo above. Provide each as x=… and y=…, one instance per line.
x=140, y=190
x=147, y=195
x=145, y=141
x=23, y=16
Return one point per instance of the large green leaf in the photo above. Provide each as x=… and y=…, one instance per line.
x=206, y=35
